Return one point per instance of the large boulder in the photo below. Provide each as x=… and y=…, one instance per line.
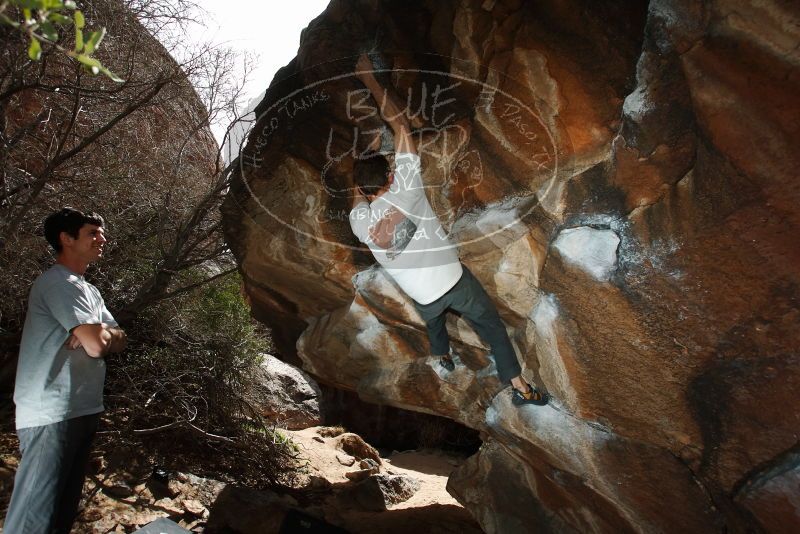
x=622, y=178
x=285, y=394
x=378, y=492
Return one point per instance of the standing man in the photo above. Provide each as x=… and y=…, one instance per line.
x=59, y=386
x=394, y=218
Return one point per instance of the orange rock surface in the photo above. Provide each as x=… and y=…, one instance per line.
x=623, y=179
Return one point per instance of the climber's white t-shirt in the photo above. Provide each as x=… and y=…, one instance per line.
x=405, y=236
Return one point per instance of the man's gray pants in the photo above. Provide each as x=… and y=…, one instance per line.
x=49, y=480
x=469, y=299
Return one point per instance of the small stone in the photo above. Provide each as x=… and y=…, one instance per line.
x=189, y=525
x=132, y=500
x=330, y=431
x=378, y=491
x=175, y=487
x=194, y=507
x=169, y=506
x=146, y=517
x=398, y=488
x=345, y=460
x=11, y=462
x=354, y=445
x=361, y=474
x=119, y=489
x=90, y=515
x=369, y=463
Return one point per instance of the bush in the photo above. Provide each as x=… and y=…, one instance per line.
x=180, y=385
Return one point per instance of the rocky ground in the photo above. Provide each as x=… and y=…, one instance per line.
x=344, y=483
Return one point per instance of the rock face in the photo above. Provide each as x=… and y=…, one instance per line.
x=622, y=178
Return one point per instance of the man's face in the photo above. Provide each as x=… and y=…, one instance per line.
x=89, y=244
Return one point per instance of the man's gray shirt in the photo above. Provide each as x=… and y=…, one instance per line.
x=53, y=382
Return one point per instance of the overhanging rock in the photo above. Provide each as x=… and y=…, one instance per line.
x=622, y=179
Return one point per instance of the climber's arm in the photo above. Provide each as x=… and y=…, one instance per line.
x=390, y=110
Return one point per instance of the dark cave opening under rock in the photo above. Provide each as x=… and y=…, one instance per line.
x=389, y=428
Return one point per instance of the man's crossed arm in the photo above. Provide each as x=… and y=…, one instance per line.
x=98, y=339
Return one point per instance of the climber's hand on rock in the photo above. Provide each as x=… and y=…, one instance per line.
x=363, y=64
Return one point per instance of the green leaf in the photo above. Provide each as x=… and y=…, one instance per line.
x=51, y=4
x=49, y=31
x=80, y=22
x=111, y=75
x=28, y=4
x=6, y=20
x=35, y=49
x=94, y=41
x=58, y=18
x=88, y=61
x=70, y=4
x=26, y=15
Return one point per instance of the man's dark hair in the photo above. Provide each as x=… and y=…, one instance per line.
x=70, y=221
x=371, y=174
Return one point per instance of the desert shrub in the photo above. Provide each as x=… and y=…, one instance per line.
x=179, y=387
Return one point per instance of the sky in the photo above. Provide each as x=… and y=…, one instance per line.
x=270, y=29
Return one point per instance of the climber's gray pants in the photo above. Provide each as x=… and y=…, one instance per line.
x=469, y=299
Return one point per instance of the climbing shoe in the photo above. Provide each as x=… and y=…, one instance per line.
x=532, y=396
x=447, y=362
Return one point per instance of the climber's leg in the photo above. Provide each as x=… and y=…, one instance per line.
x=476, y=307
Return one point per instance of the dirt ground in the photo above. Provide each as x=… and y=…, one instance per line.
x=122, y=493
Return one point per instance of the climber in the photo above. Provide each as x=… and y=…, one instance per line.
x=393, y=217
